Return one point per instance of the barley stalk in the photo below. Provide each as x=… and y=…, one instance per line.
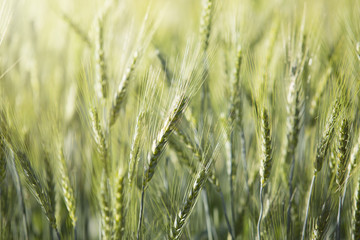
x=205, y=23
x=50, y=185
x=321, y=222
x=168, y=73
x=342, y=153
x=324, y=143
x=197, y=152
x=205, y=30
x=354, y=156
x=105, y=204
x=162, y=138
x=101, y=74
x=235, y=117
x=100, y=140
x=266, y=161
x=76, y=29
x=314, y=105
x=67, y=190
x=293, y=128
x=236, y=104
x=158, y=147
x=36, y=188
x=135, y=147
x=183, y=214
x=321, y=151
x=119, y=216
x=266, y=151
x=121, y=92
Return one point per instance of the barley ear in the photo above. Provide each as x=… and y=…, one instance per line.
x=105, y=204
x=66, y=188
x=266, y=151
x=135, y=148
x=236, y=103
x=205, y=23
x=342, y=153
x=314, y=105
x=322, y=221
x=158, y=147
x=122, y=89
x=119, y=223
x=76, y=29
x=293, y=120
x=183, y=214
x=324, y=143
x=49, y=179
x=36, y=188
x=266, y=161
x=99, y=137
x=101, y=74
x=162, y=138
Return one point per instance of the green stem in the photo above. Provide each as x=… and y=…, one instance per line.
x=308, y=207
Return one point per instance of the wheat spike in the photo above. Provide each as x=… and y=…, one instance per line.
x=99, y=138
x=314, y=105
x=205, y=23
x=121, y=92
x=236, y=104
x=322, y=221
x=135, y=147
x=36, y=188
x=67, y=190
x=266, y=151
x=105, y=204
x=119, y=223
x=324, y=143
x=49, y=179
x=266, y=161
x=293, y=120
x=342, y=153
x=160, y=142
x=101, y=74
x=183, y=214
x=158, y=147
x=76, y=29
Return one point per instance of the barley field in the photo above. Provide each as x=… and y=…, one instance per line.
x=181, y=119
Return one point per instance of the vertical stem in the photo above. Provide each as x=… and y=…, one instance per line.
x=232, y=205
x=75, y=236
x=288, y=224
x=261, y=213
x=21, y=196
x=207, y=214
x=243, y=157
x=308, y=207
x=345, y=185
x=58, y=234
x=141, y=212
x=338, y=219
x=50, y=232
x=226, y=216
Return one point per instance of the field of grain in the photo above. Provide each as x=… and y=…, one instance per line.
x=179, y=119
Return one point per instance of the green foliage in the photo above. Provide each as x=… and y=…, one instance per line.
x=166, y=119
